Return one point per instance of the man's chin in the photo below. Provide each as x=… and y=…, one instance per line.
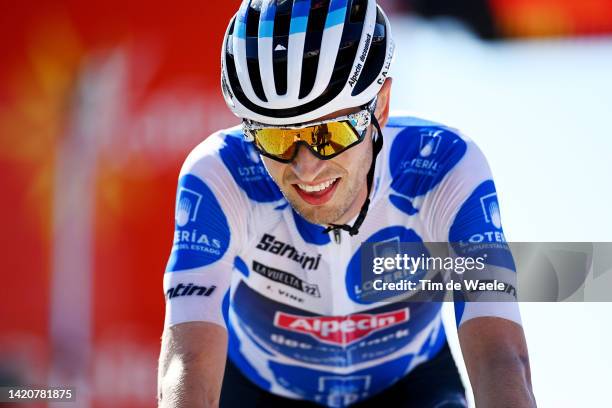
x=317, y=215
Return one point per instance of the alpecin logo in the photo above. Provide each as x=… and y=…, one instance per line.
x=340, y=330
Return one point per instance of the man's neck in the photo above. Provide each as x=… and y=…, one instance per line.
x=357, y=204
x=355, y=207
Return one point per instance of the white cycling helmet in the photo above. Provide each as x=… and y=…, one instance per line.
x=292, y=61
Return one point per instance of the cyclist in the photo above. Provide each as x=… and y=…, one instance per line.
x=265, y=301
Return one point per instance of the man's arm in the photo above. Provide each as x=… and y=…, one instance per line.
x=191, y=365
x=497, y=362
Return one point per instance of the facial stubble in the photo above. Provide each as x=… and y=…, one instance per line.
x=347, y=193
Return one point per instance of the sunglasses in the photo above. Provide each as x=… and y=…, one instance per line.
x=325, y=139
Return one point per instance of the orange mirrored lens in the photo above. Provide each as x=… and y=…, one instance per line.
x=326, y=139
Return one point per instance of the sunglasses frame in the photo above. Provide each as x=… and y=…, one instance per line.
x=358, y=122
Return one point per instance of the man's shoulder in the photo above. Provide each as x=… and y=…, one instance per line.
x=227, y=158
x=422, y=152
x=210, y=149
x=407, y=123
x=413, y=137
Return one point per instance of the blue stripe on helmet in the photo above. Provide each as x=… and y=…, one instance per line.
x=266, y=20
x=301, y=8
x=337, y=13
x=240, y=30
x=298, y=25
x=299, y=16
x=268, y=11
x=337, y=4
x=266, y=29
x=241, y=17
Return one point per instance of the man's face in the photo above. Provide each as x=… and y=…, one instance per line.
x=325, y=191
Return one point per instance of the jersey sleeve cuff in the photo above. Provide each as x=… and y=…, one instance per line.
x=195, y=297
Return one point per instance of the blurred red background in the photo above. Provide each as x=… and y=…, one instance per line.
x=547, y=18
x=99, y=104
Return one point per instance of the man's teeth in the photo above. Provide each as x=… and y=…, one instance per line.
x=319, y=187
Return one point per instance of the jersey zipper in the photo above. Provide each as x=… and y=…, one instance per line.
x=338, y=256
x=337, y=236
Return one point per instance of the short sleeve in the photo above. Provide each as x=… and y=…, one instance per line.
x=208, y=231
x=466, y=214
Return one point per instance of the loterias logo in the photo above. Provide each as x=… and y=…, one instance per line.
x=421, y=157
x=202, y=234
x=189, y=290
x=187, y=208
x=490, y=209
x=477, y=228
x=430, y=141
x=340, y=330
x=488, y=231
x=426, y=163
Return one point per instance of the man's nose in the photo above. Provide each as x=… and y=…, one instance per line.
x=306, y=165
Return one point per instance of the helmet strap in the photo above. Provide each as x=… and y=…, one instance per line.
x=354, y=230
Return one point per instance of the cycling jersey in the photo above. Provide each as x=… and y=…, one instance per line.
x=300, y=320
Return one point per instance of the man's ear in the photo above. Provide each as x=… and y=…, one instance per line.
x=382, y=103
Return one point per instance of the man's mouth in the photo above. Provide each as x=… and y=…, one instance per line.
x=317, y=194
